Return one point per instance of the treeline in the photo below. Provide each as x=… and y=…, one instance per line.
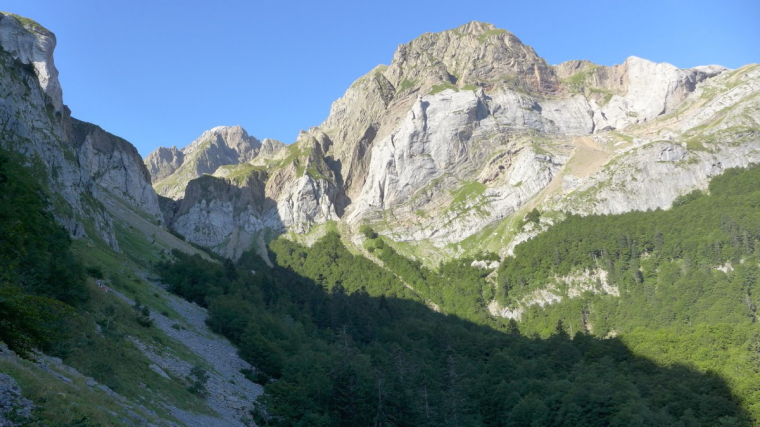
x=339, y=341
x=701, y=232
x=40, y=280
x=696, y=263
x=688, y=279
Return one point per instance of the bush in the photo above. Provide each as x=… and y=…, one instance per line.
x=368, y=232
x=199, y=378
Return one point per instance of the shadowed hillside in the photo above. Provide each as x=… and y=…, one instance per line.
x=340, y=341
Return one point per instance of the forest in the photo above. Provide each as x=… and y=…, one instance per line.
x=340, y=340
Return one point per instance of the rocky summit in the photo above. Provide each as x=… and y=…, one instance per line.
x=464, y=131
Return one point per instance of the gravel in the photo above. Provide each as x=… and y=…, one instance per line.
x=230, y=393
x=15, y=409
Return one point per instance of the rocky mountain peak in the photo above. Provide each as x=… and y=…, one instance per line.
x=163, y=162
x=270, y=146
x=474, y=54
x=171, y=169
x=31, y=43
x=234, y=138
x=476, y=28
x=462, y=130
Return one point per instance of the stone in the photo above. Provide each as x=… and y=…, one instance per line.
x=15, y=409
x=171, y=169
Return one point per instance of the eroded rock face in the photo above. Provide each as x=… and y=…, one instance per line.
x=270, y=147
x=113, y=164
x=651, y=90
x=225, y=214
x=461, y=130
x=475, y=53
x=421, y=130
x=471, y=56
x=172, y=169
x=234, y=208
x=716, y=127
x=76, y=159
x=467, y=126
x=163, y=162
x=15, y=409
x=229, y=215
x=32, y=44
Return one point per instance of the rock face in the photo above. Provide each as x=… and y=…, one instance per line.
x=15, y=409
x=163, y=162
x=78, y=160
x=32, y=44
x=465, y=129
x=113, y=164
x=216, y=211
x=270, y=147
x=472, y=56
x=480, y=97
x=236, y=207
x=172, y=169
x=715, y=128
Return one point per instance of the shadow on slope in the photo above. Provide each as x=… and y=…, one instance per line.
x=339, y=341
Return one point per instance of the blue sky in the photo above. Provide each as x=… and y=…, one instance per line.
x=161, y=72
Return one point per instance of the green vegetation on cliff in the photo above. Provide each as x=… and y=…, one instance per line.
x=40, y=280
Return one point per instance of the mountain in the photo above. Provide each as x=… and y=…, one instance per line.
x=171, y=169
x=471, y=238
x=468, y=129
x=83, y=164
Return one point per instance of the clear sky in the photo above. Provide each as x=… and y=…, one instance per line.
x=161, y=72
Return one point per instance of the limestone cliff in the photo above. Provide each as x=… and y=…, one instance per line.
x=472, y=98
x=233, y=210
x=471, y=56
x=716, y=127
x=113, y=164
x=468, y=128
x=77, y=160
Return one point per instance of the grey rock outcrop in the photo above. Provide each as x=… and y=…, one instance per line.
x=30, y=43
x=172, y=169
x=471, y=56
x=423, y=163
x=651, y=90
x=15, y=409
x=163, y=162
x=233, y=209
x=270, y=147
x=715, y=128
x=445, y=143
x=75, y=160
x=113, y=164
x=217, y=211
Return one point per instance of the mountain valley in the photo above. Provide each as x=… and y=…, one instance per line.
x=472, y=237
